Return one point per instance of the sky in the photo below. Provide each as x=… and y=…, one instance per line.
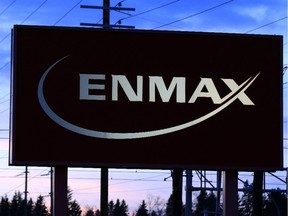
x=132, y=185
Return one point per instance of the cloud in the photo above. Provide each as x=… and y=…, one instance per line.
x=257, y=13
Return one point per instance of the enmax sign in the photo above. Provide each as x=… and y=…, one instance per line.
x=139, y=98
x=155, y=82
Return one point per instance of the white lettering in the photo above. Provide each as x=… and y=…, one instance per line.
x=127, y=88
x=206, y=88
x=241, y=96
x=165, y=94
x=211, y=91
x=85, y=86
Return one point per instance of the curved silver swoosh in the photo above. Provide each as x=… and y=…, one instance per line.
x=135, y=135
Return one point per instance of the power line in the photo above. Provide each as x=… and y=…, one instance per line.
x=2, y=41
x=4, y=110
x=147, y=11
x=4, y=101
x=4, y=96
x=196, y=14
x=68, y=12
x=278, y=20
x=3, y=11
x=31, y=14
x=26, y=181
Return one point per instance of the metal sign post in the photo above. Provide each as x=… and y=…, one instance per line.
x=257, y=193
x=177, y=175
x=104, y=191
x=59, y=190
x=230, y=193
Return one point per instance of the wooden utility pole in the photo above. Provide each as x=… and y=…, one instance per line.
x=104, y=192
x=106, y=24
x=59, y=190
x=177, y=175
x=26, y=190
x=230, y=193
x=257, y=193
x=188, y=205
x=104, y=171
x=106, y=13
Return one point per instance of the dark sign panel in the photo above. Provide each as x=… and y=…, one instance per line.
x=145, y=99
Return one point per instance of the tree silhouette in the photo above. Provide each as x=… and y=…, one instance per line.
x=15, y=204
x=29, y=207
x=142, y=210
x=156, y=205
x=89, y=212
x=205, y=202
x=275, y=204
x=169, y=207
x=97, y=213
x=74, y=208
x=246, y=200
x=5, y=206
x=110, y=208
x=40, y=208
x=120, y=209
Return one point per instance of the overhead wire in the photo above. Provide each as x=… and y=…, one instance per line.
x=6, y=95
x=29, y=179
x=67, y=12
x=7, y=63
x=193, y=15
x=267, y=24
x=118, y=4
x=31, y=14
x=148, y=11
x=34, y=11
x=5, y=9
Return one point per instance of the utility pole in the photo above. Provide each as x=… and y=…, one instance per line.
x=230, y=193
x=26, y=190
x=257, y=193
x=106, y=15
x=104, y=171
x=177, y=175
x=59, y=190
x=104, y=192
x=106, y=25
x=188, y=205
x=219, y=175
x=51, y=189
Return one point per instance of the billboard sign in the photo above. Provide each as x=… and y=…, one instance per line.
x=147, y=99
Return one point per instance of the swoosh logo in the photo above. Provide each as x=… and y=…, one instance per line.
x=230, y=98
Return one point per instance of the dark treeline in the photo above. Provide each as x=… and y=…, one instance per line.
x=274, y=204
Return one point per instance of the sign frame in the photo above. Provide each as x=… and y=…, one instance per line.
x=175, y=70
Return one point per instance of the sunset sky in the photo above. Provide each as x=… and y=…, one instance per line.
x=232, y=16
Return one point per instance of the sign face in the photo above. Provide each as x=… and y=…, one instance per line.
x=145, y=99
